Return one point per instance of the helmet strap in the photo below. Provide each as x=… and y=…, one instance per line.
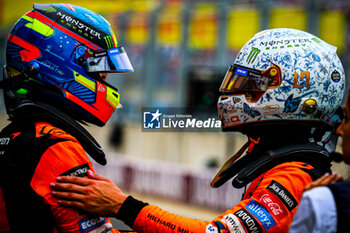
x=252, y=143
x=223, y=175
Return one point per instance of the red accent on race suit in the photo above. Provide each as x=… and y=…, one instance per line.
x=4, y=225
x=15, y=135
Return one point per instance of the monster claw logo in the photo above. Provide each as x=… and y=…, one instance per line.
x=252, y=55
x=109, y=41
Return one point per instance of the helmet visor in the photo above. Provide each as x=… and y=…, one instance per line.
x=241, y=79
x=113, y=60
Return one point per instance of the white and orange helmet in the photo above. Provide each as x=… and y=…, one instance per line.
x=282, y=76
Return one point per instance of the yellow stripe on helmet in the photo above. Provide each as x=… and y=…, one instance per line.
x=38, y=26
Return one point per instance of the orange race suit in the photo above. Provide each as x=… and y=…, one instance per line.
x=268, y=205
x=32, y=155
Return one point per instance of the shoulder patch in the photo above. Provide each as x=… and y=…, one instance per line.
x=221, y=227
x=283, y=194
x=261, y=214
x=233, y=224
x=273, y=204
x=96, y=225
x=249, y=222
x=210, y=229
x=80, y=171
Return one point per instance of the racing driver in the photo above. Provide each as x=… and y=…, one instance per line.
x=57, y=59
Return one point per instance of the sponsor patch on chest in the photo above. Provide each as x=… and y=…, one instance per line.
x=94, y=225
x=261, y=214
x=5, y=141
x=249, y=222
x=80, y=171
x=274, y=205
x=283, y=194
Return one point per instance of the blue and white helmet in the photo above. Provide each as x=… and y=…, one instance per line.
x=282, y=75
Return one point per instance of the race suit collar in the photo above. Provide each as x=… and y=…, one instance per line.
x=37, y=111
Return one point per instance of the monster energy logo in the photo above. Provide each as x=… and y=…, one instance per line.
x=252, y=55
x=78, y=26
x=109, y=41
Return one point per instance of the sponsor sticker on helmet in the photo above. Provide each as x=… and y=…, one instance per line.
x=241, y=71
x=335, y=76
x=116, y=50
x=252, y=55
x=79, y=26
x=101, y=53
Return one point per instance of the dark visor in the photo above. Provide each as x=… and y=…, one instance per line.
x=241, y=79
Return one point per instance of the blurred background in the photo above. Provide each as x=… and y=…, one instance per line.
x=180, y=50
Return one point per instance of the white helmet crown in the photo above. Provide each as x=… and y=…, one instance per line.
x=282, y=74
